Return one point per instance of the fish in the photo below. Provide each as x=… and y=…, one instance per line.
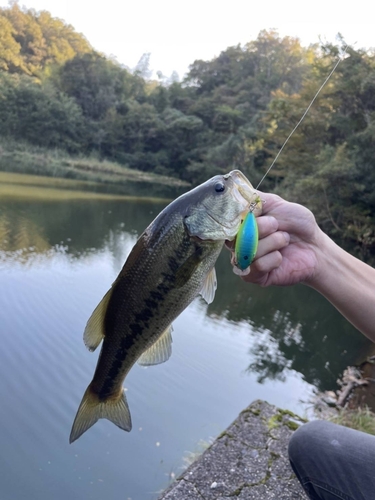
x=171, y=263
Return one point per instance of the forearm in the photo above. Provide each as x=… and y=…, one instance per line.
x=293, y=249
x=347, y=283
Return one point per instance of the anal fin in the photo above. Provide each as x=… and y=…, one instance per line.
x=160, y=351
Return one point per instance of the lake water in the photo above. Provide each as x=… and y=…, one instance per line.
x=57, y=259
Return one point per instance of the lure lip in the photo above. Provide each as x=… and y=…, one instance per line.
x=241, y=272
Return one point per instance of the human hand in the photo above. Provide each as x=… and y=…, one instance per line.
x=293, y=249
x=289, y=239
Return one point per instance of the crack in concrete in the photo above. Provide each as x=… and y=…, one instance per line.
x=195, y=487
x=275, y=435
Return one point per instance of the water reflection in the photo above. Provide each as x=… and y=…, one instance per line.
x=296, y=327
x=81, y=226
x=56, y=261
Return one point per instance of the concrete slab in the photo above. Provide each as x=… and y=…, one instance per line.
x=247, y=461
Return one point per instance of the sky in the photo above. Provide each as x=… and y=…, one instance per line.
x=176, y=33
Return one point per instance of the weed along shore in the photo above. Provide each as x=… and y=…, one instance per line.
x=21, y=158
x=249, y=460
x=41, y=188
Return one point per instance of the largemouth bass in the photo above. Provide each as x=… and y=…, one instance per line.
x=170, y=264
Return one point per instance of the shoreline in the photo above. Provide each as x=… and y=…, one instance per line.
x=43, y=188
x=21, y=158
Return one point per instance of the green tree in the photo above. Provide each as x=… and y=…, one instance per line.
x=98, y=84
x=30, y=40
x=38, y=113
x=10, y=59
x=329, y=161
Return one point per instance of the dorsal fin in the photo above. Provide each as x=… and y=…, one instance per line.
x=160, y=351
x=94, y=331
x=209, y=287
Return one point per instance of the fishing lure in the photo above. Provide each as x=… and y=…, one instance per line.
x=246, y=244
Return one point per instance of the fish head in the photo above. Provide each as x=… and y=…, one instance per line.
x=217, y=207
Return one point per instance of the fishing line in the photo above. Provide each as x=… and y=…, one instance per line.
x=341, y=57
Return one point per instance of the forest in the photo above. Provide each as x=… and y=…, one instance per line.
x=234, y=111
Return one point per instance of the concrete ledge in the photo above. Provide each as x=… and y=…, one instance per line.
x=247, y=461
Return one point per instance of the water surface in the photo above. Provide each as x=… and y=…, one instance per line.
x=57, y=259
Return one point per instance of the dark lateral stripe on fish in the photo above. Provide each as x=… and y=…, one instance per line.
x=110, y=380
x=163, y=287
x=145, y=315
x=151, y=304
x=141, y=319
x=127, y=342
x=173, y=264
x=156, y=296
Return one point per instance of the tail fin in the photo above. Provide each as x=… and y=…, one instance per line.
x=92, y=409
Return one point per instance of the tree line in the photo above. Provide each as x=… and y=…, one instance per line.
x=234, y=111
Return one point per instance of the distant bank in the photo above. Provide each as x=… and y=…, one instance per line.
x=87, y=173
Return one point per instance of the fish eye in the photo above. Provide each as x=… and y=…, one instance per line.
x=219, y=187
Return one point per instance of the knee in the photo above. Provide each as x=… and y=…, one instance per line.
x=305, y=440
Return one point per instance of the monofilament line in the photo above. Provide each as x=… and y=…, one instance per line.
x=303, y=116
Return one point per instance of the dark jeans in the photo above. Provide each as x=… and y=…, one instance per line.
x=333, y=462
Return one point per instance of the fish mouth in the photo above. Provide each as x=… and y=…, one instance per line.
x=245, y=192
x=246, y=197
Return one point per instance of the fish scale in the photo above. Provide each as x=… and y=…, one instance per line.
x=139, y=334
x=171, y=263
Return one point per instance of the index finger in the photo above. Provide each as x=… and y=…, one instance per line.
x=270, y=201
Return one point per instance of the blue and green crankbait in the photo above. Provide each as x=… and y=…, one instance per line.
x=246, y=242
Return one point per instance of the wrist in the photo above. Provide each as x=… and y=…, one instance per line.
x=327, y=255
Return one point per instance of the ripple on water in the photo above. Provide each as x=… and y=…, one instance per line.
x=48, y=289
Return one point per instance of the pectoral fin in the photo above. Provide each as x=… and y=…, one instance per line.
x=209, y=287
x=160, y=351
x=94, y=331
x=188, y=268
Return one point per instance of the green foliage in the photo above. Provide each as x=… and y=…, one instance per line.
x=38, y=113
x=234, y=111
x=97, y=84
x=30, y=41
x=361, y=419
x=10, y=59
x=329, y=162
x=21, y=158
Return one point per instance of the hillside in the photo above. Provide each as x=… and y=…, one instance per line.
x=234, y=111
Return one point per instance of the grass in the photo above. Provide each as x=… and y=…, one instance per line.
x=361, y=419
x=18, y=157
x=32, y=187
x=191, y=456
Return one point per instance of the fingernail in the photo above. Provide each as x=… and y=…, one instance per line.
x=287, y=237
